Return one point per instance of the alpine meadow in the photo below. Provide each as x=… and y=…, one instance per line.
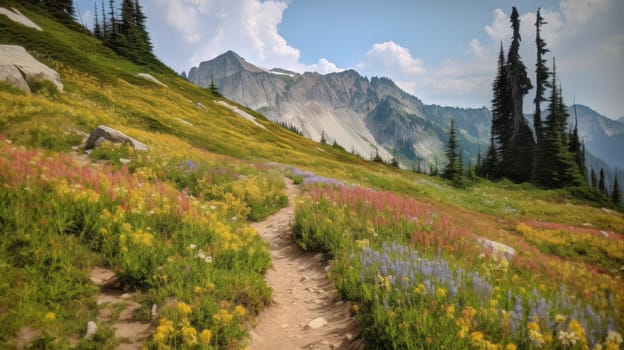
x=141, y=208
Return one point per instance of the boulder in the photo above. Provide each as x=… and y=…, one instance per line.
x=104, y=133
x=151, y=78
x=13, y=57
x=17, y=17
x=497, y=247
x=13, y=76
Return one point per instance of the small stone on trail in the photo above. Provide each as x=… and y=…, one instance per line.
x=91, y=329
x=154, y=311
x=125, y=296
x=317, y=323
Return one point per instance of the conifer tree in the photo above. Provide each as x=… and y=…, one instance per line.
x=517, y=156
x=501, y=119
x=576, y=147
x=556, y=167
x=97, y=30
x=593, y=179
x=601, y=182
x=615, y=193
x=542, y=75
x=62, y=10
x=452, y=170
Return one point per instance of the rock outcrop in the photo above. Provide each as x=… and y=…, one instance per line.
x=151, y=78
x=104, y=133
x=18, y=67
x=18, y=17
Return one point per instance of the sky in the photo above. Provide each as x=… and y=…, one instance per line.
x=443, y=52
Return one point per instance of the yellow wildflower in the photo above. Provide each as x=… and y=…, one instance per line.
x=450, y=311
x=183, y=308
x=510, y=346
x=476, y=337
x=190, y=335
x=240, y=310
x=205, y=336
x=198, y=290
x=49, y=316
x=441, y=293
x=559, y=318
x=356, y=308
x=463, y=330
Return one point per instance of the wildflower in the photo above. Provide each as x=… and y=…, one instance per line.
x=198, y=290
x=240, y=310
x=450, y=311
x=183, y=308
x=535, y=334
x=510, y=346
x=192, y=246
x=356, y=308
x=463, y=330
x=567, y=338
x=222, y=316
x=559, y=318
x=476, y=337
x=614, y=337
x=49, y=316
x=190, y=335
x=441, y=293
x=205, y=336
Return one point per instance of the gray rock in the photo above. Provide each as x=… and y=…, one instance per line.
x=151, y=78
x=18, y=17
x=497, y=248
x=91, y=330
x=13, y=76
x=104, y=133
x=14, y=57
x=317, y=323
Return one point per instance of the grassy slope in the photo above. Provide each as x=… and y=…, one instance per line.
x=101, y=88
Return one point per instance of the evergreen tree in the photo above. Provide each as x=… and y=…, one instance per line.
x=601, y=182
x=556, y=167
x=452, y=170
x=576, y=148
x=615, y=193
x=541, y=79
x=215, y=91
x=112, y=34
x=593, y=179
x=491, y=162
x=501, y=119
x=323, y=141
x=517, y=155
x=62, y=10
x=105, y=25
x=97, y=30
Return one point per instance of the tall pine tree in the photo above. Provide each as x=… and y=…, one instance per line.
x=556, y=167
x=616, y=196
x=576, y=148
x=453, y=169
x=601, y=182
x=541, y=76
x=501, y=120
x=593, y=179
x=517, y=155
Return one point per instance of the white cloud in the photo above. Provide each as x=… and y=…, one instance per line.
x=582, y=11
x=248, y=27
x=393, y=59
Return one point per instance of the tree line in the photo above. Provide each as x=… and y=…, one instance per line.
x=549, y=155
x=123, y=30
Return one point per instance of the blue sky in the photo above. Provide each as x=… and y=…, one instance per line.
x=443, y=51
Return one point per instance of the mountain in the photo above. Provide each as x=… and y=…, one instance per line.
x=360, y=114
x=603, y=137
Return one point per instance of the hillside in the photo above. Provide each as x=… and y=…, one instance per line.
x=361, y=114
x=419, y=259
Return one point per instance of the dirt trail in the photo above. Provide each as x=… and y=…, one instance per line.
x=306, y=312
x=117, y=309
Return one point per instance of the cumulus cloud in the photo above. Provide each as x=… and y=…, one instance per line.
x=578, y=32
x=248, y=27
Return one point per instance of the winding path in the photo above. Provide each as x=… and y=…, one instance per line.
x=306, y=312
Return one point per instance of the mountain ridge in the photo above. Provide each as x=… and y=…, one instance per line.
x=345, y=108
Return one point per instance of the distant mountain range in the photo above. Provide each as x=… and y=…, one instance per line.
x=364, y=115
x=360, y=114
